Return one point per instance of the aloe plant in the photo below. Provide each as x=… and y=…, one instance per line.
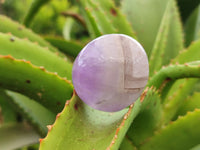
x=40, y=109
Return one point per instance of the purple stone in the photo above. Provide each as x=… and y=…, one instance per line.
x=110, y=72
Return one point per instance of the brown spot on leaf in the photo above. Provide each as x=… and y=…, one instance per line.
x=58, y=103
x=12, y=39
x=28, y=81
x=113, y=11
x=76, y=106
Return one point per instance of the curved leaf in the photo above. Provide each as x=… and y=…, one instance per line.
x=83, y=128
x=127, y=145
x=189, y=104
x=147, y=121
x=88, y=129
x=175, y=96
x=36, y=114
x=173, y=72
x=178, y=92
x=169, y=40
x=182, y=134
x=192, y=27
x=35, y=6
x=15, y=136
x=7, y=113
x=70, y=48
x=9, y=26
x=186, y=7
x=47, y=88
x=103, y=17
x=39, y=56
x=192, y=53
x=145, y=17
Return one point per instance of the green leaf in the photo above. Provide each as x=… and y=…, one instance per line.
x=34, y=8
x=147, y=120
x=182, y=134
x=189, y=104
x=15, y=136
x=70, y=48
x=197, y=147
x=127, y=145
x=169, y=40
x=87, y=128
x=175, y=98
x=186, y=7
x=36, y=114
x=39, y=56
x=145, y=17
x=83, y=128
x=90, y=22
x=174, y=72
x=67, y=29
x=192, y=27
x=7, y=114
x=35, y=82
x=187, y=55
x=103, y=17
x=9, y=26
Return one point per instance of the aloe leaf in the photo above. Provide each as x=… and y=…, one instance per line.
x=91, y=129
x=169, y=39
x=186, y=7
x=39, y=56
x=103, y=17
x=7, y=114
x=127, y=145
x=15, y=136
x=189, y=104
x=36, y=114
x=147, y=120
x=187, y=55
x=174, y=72
x=182, y=134
x=181, y=88
x=35, y=6
x=177, y=94
x=30, y=147
x=35, y=82
x=197, y=147
x=83, y=128
x=70, y=48
x=145, y=17
x=90, y=22
x=9, y=26
x=88, y=128
x=116, y=17
x=192, y=27
x=68, y=28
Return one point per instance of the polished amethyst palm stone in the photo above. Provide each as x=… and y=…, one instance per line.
x=110, y=72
